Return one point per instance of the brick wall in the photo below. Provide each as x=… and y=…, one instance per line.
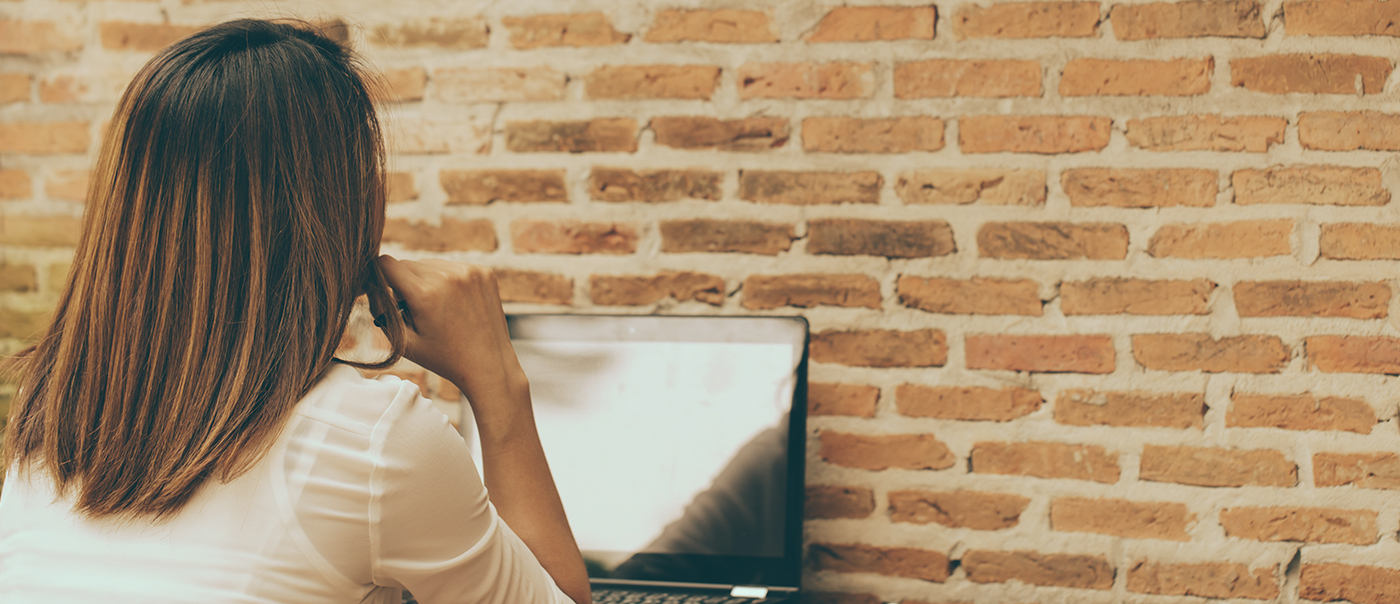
x=1102, y=292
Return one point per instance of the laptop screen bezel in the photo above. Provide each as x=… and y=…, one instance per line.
x=783, y=573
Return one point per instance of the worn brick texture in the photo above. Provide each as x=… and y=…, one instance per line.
x=1102, y=293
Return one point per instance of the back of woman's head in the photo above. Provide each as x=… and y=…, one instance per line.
x=233, y=218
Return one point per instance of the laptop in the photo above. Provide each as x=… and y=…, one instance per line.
x=677, y=444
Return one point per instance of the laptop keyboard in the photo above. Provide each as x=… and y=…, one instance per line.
x=627, y=596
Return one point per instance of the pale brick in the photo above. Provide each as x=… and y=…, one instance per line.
x=1348, y=131
x=1360, y=241
x=991, y=186
x=438, y=32
x=15, y=184
x=1311, y=74
x=652, y=82
x=1043, y=134
x=1317, y=185
x=67, y=185
x=600, y=135
x=15, y=87
x=1045, y=460
x=1140, y=188
x=144, y=37
x=809, y=188
x=888, y=135
x=652, y=186
x=1116, y=295
x=1364, y=470
x=1122, y=518
x=867, y=23
x=635, y=290
x=452, y=234
x=1341, y=18
x=404, y=85
x=494, y=85
x=1243, y=239
x=18, y=278
x=945, y=78
x=35, y=37
x=1052, y=241
x=1204, y=579
x=1027, y=20
x=1303, y=412
x=1251, y=134
x=1358, y=584
x=1308, y=525
x=578, y=30
x=573, y=237
x=1192, y=19
x=1312, y=299
x=479, y=187
x=1215, y=467
x=1201, y=352
x=842, y=399
x=534, y=287
x=1041, y=354
x=806, y=80
x=1354, y=354
x=884, y=451
x=39, y=231
x=44, y=138
x=1035, y=568
x=958, y=509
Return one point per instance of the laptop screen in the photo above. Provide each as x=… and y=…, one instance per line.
x=673, y=441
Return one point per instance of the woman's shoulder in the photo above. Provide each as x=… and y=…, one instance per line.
x=345, y=399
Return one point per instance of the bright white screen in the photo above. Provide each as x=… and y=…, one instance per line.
x=635, y=430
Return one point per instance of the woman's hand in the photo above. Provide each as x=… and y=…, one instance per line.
x=458, y=331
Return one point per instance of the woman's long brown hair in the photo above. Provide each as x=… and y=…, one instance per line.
x=233, y=219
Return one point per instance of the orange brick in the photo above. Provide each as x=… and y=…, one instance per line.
x=35, y=37
x=480, y=85
x=1122, y=518
x=1138, y=188
x=945, y=78
x=145, y=37
x=1349, y=131
x=578, y=29
x=630, y=290
x=723, y=25
x=1360, y=241
x=889, y=561
x=1045, y=460
x=867, y=23
x=44, y=138
x=438, y=32
x=15, y=184
x=1365, y=470
x=1300, y=412
x=1035, y=568
x=839, y=502
x=888, y=238
x=404, y=85
x=67, y=185
x=1027, y=20
x=1130, y=409
x=707, y=235
x=958, y=509
x=1214, y=467
x=1041, y=354
x=15, y=87
x=1354, y=354
x=534, y=287
x=600, y=135
x=401, y=187
x=1204, y=579
x=1172, y=77
x=39, y=231
x=573, y=237
x=888, y=135
x=652, y=186
x=652, y=82
x=747, y=134
x=1359, y=584
x=453, y=234
x=1200, y=352
x=1044, y=134
x=978, y=296
x=18, y=278
x=1311, y=74
x=842, y=399
x=884, y=451
x=1194, y=19
x=479, y=187
x=63, y=89
x=1112, y=296
x=1341, y=18
x=763, y=292
x=1317, y=185
x=992, y=186
x=1243, y=239
x=881, y=348
x=809, y=188
x=966, y=403
x=1309, y=525
x=806, y=80
x=1312, y=299
x=1252, y=134
x=1052, y=241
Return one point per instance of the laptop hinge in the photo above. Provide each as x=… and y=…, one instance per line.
x=748, y=591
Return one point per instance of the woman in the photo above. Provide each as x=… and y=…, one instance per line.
x=182, y=432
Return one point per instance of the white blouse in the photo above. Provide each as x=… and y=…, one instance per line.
x=367, y=491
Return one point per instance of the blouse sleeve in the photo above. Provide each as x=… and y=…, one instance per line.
x=432, y=529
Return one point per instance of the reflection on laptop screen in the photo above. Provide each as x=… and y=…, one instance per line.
x=668, y=441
